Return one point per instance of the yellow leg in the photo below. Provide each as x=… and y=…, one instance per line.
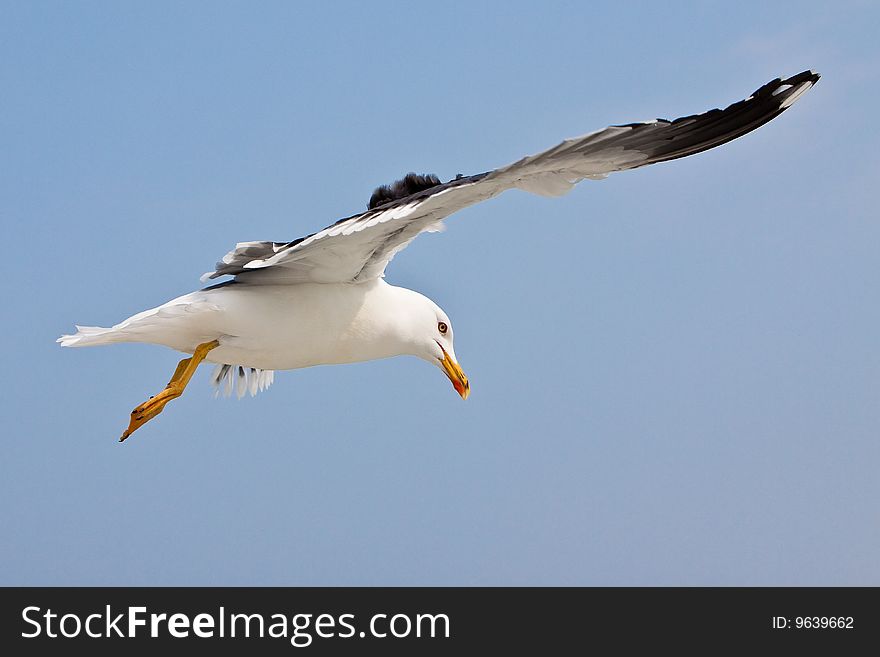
x=154, y=405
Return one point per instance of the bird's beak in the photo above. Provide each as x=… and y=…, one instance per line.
x=453, y=371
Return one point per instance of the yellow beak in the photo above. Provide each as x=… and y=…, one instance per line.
x=458, y=378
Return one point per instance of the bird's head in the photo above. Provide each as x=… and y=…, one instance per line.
x=442, y=354
x=429, y=335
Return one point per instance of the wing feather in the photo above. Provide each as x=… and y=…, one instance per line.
x=359, y=247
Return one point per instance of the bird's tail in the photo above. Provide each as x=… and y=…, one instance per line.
x=155, y=325
x=88, y=336
x=126, y=331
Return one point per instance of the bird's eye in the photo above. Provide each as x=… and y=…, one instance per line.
x=442, y=327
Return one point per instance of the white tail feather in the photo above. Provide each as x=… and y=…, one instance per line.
x=150, y=326
x=87, y=336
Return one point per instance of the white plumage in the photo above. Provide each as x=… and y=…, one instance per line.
x=322, y=299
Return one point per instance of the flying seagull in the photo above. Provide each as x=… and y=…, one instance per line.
x=321, y=299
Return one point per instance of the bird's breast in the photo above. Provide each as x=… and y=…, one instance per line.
x=281, y=327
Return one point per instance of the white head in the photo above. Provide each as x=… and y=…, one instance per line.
x=427, y=333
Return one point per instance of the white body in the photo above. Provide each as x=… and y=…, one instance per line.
x=321, y=299
x=282, y=327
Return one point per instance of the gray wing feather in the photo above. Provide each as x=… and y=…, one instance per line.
x=359, y=247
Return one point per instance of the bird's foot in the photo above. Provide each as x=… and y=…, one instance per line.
x=151, y=408
x=154, y=405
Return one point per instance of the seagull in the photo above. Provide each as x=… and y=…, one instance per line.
x=322, y=299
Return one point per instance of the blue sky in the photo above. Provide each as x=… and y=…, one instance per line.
x=675, y=371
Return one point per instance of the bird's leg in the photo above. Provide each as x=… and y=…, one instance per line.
x=154, y=405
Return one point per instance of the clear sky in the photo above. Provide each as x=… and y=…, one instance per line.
x=675, y=372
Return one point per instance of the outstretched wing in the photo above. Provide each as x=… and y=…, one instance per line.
x=359, y=247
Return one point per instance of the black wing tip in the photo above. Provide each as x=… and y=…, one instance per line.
x=411, y=183
x=688, y=135
x=783, y=88
x=772, y=88
x=805, y=76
